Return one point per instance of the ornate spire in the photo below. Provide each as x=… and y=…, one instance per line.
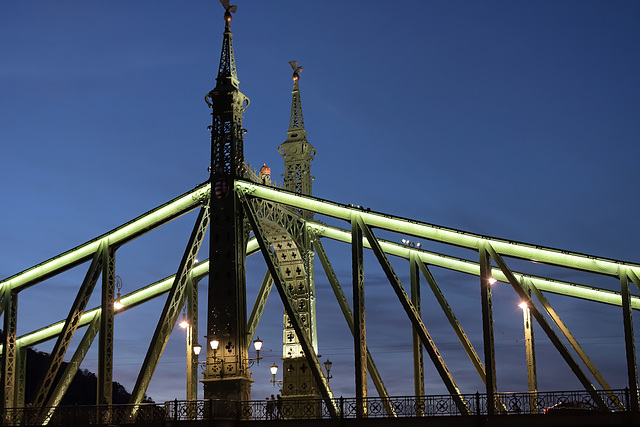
x=296, y=122
x=296, y=150
x=227, y=70
x=228, y=105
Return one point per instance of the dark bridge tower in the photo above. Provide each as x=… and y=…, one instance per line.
x=298, y=153
x=227, y=375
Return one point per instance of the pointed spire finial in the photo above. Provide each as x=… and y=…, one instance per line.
x=296, y=121
x=228, y=9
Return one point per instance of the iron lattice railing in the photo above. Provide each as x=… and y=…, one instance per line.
x=375, y=407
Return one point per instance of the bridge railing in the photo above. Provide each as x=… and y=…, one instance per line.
x=404, y=406
x=375, y=407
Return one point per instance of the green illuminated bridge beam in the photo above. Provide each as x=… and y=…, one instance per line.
x=201, y=270
x=445, y=235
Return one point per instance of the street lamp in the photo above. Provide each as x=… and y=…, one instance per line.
x=196, y=349
x=117, y=303
x=274, y=370
x=257, y=345
x=327, y=366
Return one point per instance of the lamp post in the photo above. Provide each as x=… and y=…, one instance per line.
x=327, y=366
x=531, y=356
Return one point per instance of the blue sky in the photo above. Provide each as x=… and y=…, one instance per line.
x=511, y=119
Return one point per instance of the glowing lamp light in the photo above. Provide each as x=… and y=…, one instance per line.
x=214, y=344
x=523, y=305
x=274, y=369
x=117, y=304
x=257, y=344
x=492, y=280
x=196, y=349
x=184, y=322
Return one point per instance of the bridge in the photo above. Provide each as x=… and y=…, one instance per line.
x=243, y=213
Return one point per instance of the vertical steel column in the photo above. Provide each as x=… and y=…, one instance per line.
x=227, y=373
x=9, y=352
x=21, y=375
x=487, y=329
x=360, y=334
x=630, y=346
x=192, y=339
x=532, y=377
x=105, y=343
x=418, y=356
x=348, y=317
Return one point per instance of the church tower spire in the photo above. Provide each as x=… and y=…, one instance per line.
x=296, y=150
x=227, y=375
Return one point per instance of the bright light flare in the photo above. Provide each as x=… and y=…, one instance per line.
x=523, y=305
x=492, y=280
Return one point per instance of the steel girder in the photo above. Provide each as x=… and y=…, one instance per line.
x=105, y=345
x=570, y=339
x=8, y=391
x=415, y=318
x=542, y=321
x=487, y=330
x=418, y=355
x=630, y=346
x=57, y=264
x=305, y=341
x=359, y=327
x=171, y=311
x=70, y=326
x=446, y=308
x=258, y=307
x=72, y=368
x=348, y=316
x=573, y=290
x=116, y=237
x=436, y=233
x=530, y=355
x=192, y=339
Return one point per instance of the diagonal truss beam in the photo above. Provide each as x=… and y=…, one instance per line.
x=542, y=321
x=72, y=368
x=348, y=316
x=172, y=307
x=276, y=274
x=457, y=328
x=70, y=326
x=258, y=307
x=562, y=327
x=418, y=325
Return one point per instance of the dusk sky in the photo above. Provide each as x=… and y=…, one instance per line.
x=518, y=120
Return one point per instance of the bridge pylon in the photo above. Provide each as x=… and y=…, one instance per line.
x=226, y=375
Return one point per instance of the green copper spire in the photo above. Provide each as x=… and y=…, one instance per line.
x=296, y=150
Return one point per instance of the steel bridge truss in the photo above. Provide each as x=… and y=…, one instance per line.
x=271, y=211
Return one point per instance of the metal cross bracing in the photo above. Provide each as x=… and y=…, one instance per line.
x=245, y=215
x=488, y=250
